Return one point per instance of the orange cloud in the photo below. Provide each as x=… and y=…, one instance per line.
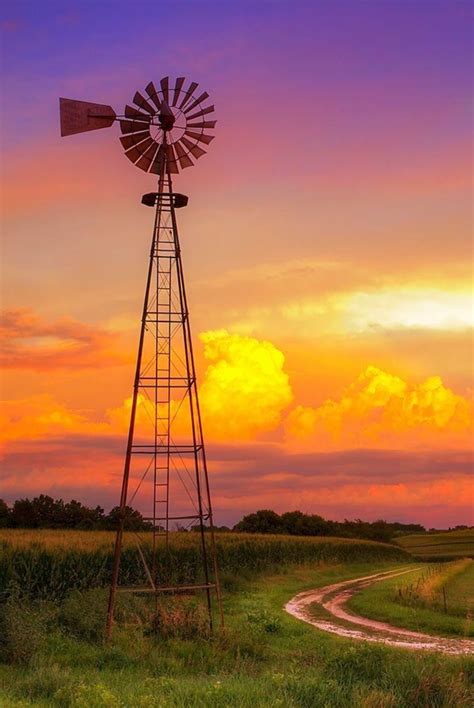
x=32, y=343
x=41, y=417
x=243, y=393
x=381, y=409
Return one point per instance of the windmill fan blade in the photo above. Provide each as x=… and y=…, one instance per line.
x=203, y=125
x=157, y=163
x=199, y=137
x=140, y=101
x=194, y=149
x=81, y=116
x=131, y=112
x=204, y=111
x=188, y=94
x=140, y=149
x=183, y=158
x=195, y=103
x=133, y=126
x=148, y=156
x=129, y=141
x=133, y=154
x=153, y=94
x=164, y=83
x=177, y=88
x=171, y=164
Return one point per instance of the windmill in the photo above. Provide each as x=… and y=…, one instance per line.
x=165, y=466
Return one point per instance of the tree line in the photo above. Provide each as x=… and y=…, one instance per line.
x=295, y=523
x=45, y=512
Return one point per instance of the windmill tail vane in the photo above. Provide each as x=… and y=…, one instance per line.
x=165, y=470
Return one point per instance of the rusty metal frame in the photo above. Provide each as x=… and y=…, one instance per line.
x=163, y=257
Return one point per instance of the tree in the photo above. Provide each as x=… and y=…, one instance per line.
x=312, y=525
x=290, y=521
x=5, y=514
x=380, y=531
x=133, y=519
x=47, y=511
x=23, y=514
x=262, y=521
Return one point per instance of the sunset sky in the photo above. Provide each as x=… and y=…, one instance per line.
x=327, y=249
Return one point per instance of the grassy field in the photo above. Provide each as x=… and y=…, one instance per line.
x=460, y=592
x=437, y=598
x=444, y=545
x=265, y=658
x=48, y=564
x=53, y=654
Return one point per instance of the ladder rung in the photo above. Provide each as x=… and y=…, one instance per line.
x=166, y=588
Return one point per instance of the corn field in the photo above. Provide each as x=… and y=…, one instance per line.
x=47, y=564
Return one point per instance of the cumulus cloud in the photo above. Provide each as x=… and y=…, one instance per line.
x=381, y=409
x=30, y=342
x=245, y=388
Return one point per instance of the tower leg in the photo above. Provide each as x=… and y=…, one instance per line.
x=131, y=430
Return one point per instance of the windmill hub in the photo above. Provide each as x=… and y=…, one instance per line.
x=166, y=117
x=167, y=121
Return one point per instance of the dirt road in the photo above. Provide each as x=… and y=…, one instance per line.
x=345, y=623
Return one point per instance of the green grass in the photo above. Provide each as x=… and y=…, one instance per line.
x=48, y=564
x=265, y=658
x=415, y=601
x=460, y=592
x=444, y=545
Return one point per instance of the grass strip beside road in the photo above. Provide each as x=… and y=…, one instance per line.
x=388, y=601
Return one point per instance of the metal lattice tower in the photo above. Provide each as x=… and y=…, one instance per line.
x=165, y=472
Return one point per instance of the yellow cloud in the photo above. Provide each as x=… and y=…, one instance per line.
x=243, y=392
x=409, y=307
x=244, y=389
x=380, y=407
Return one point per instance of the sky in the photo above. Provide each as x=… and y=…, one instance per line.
x=327, y=250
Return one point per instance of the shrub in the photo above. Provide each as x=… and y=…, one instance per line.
x=83, y=614
x=21, y=631
x=180, y=618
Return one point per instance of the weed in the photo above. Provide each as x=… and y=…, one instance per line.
x=264, y=620
x=181, y=618
x=47, y=682
x=21, y=631
x=358, y=664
